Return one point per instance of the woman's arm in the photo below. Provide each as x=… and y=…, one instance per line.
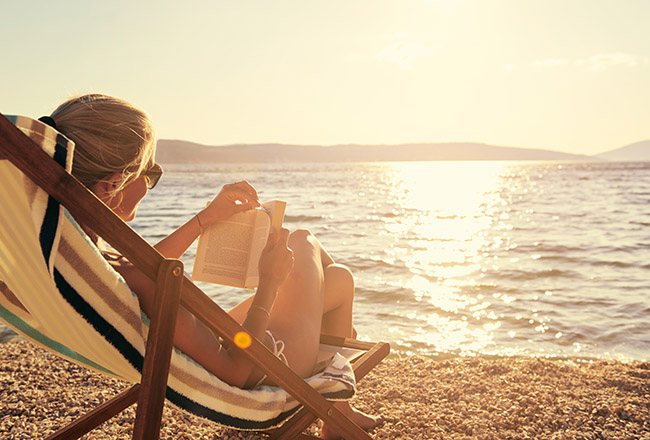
x=233, y=198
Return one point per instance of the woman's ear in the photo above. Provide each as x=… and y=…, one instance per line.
x=105, y=188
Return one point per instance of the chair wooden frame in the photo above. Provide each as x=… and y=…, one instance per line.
x=172, y=289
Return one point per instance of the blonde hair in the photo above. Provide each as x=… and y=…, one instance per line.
x=111, y=136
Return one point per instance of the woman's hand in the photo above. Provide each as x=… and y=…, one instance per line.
x=276, y=260
x=232, y=199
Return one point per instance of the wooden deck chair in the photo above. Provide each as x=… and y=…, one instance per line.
x=48, y=293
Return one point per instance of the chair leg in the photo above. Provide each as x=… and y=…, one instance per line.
x=150, y=393
x=159, y=349
x=97, y=416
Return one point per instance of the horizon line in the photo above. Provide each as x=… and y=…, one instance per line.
x=249, y=144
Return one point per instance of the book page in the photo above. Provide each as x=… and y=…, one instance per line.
x=271, y=216
x=224, y=249
x=259, y=238
x=276, y=209
x=229, y=250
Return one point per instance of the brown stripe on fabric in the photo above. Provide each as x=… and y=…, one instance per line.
x=11, y=297
x=225, y=395
x=38, y=127
x=86, y=272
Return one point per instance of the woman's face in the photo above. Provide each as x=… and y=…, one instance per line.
x=125, y=203
x=129, y=199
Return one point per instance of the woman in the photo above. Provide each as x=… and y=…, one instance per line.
x=302, y=292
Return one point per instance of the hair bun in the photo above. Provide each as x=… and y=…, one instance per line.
x=47, y=120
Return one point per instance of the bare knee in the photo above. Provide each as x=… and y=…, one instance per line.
x=340, y=275
x=307, y=262
x=300, y=235
x=339, y=300
x=339, y=286
x=302, y=241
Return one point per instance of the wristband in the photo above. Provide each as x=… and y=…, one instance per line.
x=201, y=228
x=255, y=306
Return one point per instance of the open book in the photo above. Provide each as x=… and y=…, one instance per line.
x=229, y=250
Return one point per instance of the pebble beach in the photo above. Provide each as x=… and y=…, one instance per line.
x=420, y=398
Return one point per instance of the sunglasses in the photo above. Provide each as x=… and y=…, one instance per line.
x=153, y=175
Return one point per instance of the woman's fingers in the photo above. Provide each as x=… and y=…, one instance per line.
x=277, y=259
x=274, y=236
x=247, y=187
x=284, y=237
x=285, y=255
x=244, y=192
x=232, y=199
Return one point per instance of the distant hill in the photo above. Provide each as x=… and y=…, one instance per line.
x=176, y=151
x=639, y=151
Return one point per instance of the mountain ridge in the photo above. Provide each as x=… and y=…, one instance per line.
x=638, y=151
x=179, y=151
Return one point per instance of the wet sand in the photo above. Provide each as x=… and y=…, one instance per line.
x=465, y=398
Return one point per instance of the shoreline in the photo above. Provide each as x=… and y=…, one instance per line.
x=7, y=335
x=420, y=398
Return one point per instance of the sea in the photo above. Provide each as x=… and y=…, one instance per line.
x=489, y=259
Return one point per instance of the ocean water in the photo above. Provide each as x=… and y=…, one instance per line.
x=461, y=258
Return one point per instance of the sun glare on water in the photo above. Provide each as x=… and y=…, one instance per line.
x=446, y=210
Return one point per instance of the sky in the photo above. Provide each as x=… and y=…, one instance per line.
x=565, y=75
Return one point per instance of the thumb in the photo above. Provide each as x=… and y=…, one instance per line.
x=284, y=237
x=273, y=239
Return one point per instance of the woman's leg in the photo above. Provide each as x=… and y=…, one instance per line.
x=298, y=309
x=337, y=321
x=317, y=297
x=338, y=296
x=339, y=299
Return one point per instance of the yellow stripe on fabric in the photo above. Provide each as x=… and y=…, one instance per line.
x=22, y=266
